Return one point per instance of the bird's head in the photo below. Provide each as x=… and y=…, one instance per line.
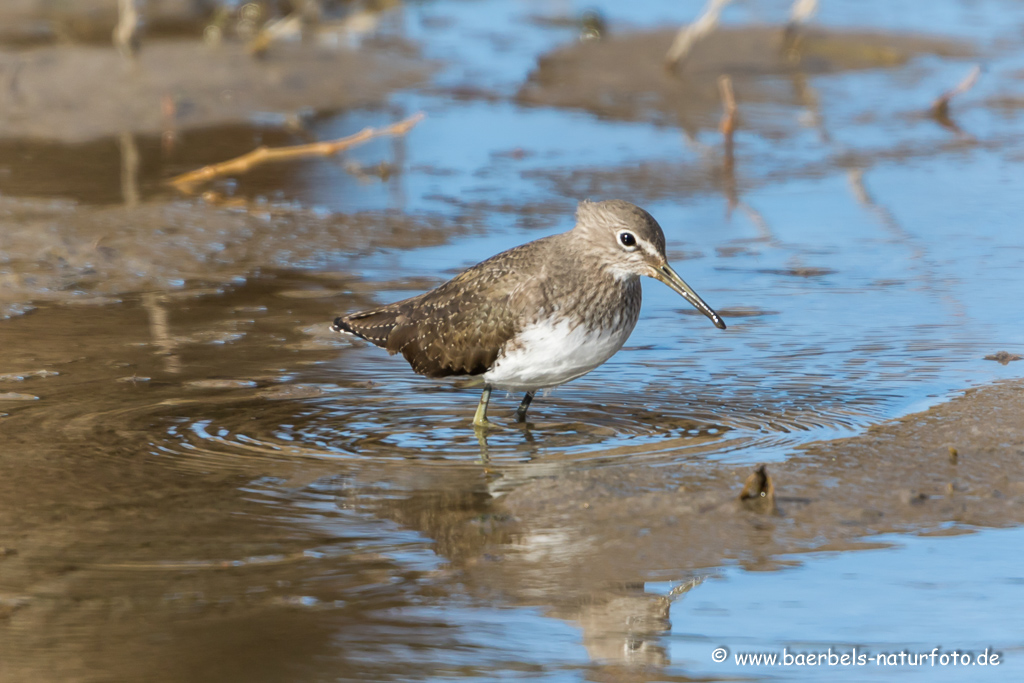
x=630, y=242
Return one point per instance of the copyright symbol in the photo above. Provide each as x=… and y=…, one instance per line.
x=719, y=654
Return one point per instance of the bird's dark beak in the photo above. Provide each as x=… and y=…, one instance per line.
x=672, y=279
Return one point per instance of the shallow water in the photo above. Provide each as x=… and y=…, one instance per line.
x=207, y=484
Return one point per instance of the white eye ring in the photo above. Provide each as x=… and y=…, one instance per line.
x=627, y=240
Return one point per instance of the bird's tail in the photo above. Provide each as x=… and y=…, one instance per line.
x=374, y=326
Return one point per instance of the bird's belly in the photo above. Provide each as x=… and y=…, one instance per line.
x=546, y=355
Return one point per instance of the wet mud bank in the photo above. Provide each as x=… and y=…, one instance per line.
x=562, y=532
x=74, y=93
x=625, y=77
x=60, y=252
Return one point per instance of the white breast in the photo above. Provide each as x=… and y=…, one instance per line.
x=547, y=354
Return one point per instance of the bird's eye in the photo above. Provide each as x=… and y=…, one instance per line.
x=627, y=239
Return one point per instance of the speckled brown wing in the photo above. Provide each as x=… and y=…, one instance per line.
x=460, y=327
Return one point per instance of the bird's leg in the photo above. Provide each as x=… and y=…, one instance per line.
x=521, y=411
x=480, y=419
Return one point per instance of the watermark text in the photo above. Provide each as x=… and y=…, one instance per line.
x=860, y=657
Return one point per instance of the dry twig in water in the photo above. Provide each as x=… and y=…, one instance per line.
x=187, y=182
x=802, y=11
x=940, y=108
x=727, y=127
x=691, y=33
x=126, y=33
x=799, y=14
x=728, y=124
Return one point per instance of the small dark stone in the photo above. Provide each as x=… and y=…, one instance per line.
x=1003, y=357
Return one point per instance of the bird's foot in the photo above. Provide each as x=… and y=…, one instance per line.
x=485, y=425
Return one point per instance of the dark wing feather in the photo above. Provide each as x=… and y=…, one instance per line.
x=373, y=326
x=460, y=327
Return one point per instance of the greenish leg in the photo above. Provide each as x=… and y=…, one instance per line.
x=521, y=411
x=480, y=419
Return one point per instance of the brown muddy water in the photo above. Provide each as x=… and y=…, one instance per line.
x=200, y=482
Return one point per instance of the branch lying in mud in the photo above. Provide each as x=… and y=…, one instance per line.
x=940, y=108
x=187, y=182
